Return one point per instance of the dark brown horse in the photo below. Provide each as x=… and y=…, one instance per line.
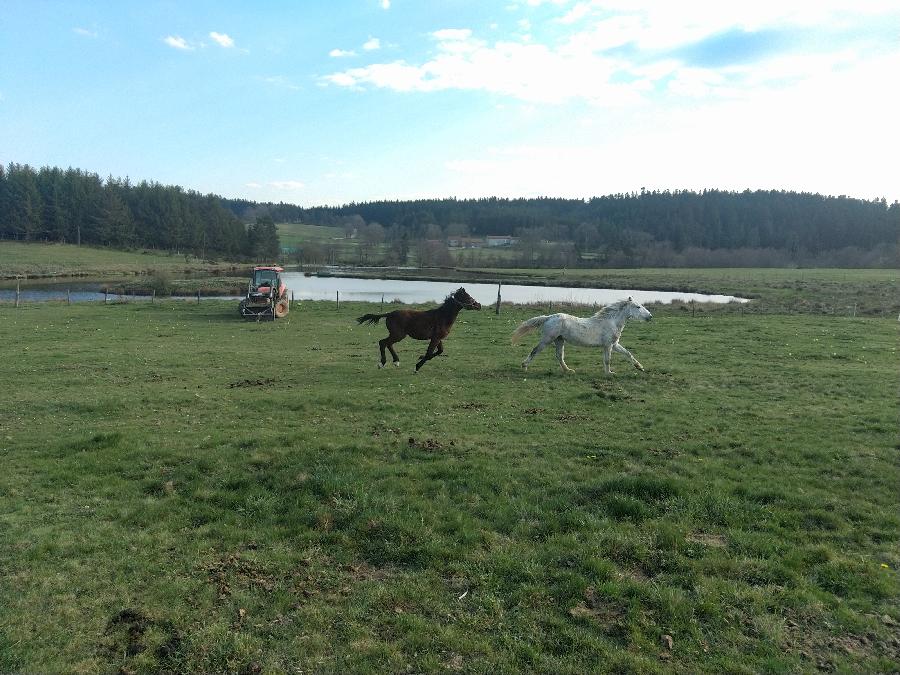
x=433, y=325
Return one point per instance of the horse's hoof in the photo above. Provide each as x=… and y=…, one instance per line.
x=380, y=366
x=569, y=370
x=396, y=364
x=639, y=366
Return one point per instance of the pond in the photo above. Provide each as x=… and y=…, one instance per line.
x=391, y=290
x=419, y=292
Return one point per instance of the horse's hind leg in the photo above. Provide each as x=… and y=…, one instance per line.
x=619, y=348
x=561, y=354
x=381, y=345
x=534, y=352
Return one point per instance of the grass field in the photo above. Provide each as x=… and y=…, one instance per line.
x=185, y=492
x=35, y=259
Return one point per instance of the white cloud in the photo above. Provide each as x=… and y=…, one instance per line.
x=253, y=185
x=341, y=53
x=530, y=72
x=222, y=39
x=281, y=81
x=452, y=34
x=763, y=139
x=584, y=62
x=577, y=13
x=85, y=32
x=287, y=184
x=372, y=44
x=177, y=42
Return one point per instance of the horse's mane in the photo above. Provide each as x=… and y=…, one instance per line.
x=611, y=309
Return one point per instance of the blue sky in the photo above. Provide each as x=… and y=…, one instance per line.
x=353, y=100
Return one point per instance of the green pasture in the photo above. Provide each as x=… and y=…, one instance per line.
x=185, y=492
x=33, y=259
x=296, y=234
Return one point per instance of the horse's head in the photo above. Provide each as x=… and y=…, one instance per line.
x=464, y=299
x=637, y=311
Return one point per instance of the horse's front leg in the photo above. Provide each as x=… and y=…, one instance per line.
x=561, y=354
x=429, y=353
x=619, y=348
x=607, y=356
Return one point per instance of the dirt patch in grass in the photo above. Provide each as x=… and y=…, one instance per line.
x=260, y=382
x=126, y=634
x=606, y=612
x=471, y=406
x=428, y=444
x=234, y=569
x=818, y=645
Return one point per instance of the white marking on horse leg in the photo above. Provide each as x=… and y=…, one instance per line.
x=396, y=364
x=380, y=366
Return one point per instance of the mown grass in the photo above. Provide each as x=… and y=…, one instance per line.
x=185, y=492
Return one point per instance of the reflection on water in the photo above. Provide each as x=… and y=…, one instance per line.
x=390, y=290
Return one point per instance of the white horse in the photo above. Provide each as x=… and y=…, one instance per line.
x=603, y=329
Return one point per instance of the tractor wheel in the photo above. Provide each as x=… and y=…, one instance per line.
x=241, y=309
x=281, y=308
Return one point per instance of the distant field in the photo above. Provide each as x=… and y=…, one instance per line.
x=184, y=492
x=294, y=234
x=40, y=259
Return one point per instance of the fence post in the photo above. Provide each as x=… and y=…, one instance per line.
x=17, y=295
x=68, y=296
x=198, y=296
x=854, y=310
x=152, y=295
x=497, y=311
x=692, y=309
x=337, y=300
x=382, y=302
x=105, y=295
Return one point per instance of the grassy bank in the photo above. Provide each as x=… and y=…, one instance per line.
x=186, y=492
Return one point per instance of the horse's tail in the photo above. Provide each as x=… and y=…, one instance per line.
x=370, y=318
x=528, y=326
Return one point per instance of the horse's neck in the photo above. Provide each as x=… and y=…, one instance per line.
x=617, y=319
x=451, y=310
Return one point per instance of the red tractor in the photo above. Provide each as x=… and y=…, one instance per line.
x=267, y=296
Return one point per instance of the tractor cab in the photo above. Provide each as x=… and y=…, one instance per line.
x=266, y=277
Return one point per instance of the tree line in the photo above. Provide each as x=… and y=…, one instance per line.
x=650, y=227
x=78, y=207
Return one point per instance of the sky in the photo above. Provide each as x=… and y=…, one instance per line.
x=331, y=102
